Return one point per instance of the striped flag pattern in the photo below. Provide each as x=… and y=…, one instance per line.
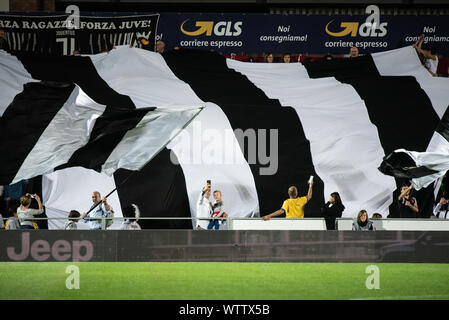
x=335, y=120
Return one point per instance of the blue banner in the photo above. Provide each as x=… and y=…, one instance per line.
x=312, y=34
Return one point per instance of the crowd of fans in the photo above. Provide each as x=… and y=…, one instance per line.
x=19, y=212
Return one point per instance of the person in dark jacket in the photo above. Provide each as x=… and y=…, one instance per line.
x=332, y=209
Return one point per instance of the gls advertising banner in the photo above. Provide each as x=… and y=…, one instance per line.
x=256, y=33
x=54, y=35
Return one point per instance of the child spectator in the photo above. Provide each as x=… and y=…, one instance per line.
x=13, y=221
x=73, y=219
x=131, y=212
x=217, y=211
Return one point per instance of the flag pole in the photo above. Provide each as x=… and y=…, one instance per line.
x=101, y=201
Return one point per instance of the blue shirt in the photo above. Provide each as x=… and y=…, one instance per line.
x=92, y=217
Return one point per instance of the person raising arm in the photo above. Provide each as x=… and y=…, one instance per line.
x=294, y=206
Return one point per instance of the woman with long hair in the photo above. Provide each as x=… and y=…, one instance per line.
x=362, y=223
x=332, y=209
x=269, y=58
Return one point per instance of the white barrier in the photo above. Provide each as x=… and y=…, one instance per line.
x=399, y=224
x=277, y=224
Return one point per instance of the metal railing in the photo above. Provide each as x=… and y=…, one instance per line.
x=227, y=220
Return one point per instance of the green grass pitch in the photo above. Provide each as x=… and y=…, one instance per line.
x=228, y=281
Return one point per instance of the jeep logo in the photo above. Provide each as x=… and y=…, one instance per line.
x=61, y=250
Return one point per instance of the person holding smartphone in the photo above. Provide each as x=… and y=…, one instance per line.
x=25, y=213
x=203, y=207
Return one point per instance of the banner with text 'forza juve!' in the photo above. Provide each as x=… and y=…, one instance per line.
x=59, y=34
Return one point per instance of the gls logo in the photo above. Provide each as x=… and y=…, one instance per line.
x=366, y=29
x=221, y=28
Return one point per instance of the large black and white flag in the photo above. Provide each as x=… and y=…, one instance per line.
x=263, y=128
x=49, y=122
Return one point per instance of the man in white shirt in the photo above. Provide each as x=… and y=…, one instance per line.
x=203, y=208
x=103, y=210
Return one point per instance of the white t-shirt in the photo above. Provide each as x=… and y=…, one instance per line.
x=26, y=216
x=203, y=210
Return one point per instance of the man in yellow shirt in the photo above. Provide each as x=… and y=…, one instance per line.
x=293, y=207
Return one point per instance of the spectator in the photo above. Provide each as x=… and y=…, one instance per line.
x=354, y=52
x=26, y=214
x=203, y=207
x=376, y=216
x=73, y=219
x=217, y=211
x=132, y=213
x=441, y=208
x=3, y=42
x=102, y=210
x=294, y=206
x=362, y=223
x=428, y=57
x=332, y=209
x=13, y=222
x=269, y=58
x=160, y=46
x=286, y=57
x=328, y=57
x=407, y=205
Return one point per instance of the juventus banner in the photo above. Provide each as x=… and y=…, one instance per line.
x=55, y=34
x=86, y=123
